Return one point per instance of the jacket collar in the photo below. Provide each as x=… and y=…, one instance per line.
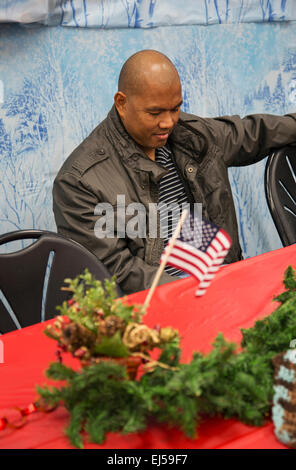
x=131, y=154
x=192, y=138
x=127, y=145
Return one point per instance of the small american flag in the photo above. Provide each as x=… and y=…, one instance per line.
x=200, y=250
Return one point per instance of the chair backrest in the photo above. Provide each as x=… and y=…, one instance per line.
x=280, y=190
x=31, y=279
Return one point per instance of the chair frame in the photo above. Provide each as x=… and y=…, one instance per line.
x=69, y=259
x=278, y=197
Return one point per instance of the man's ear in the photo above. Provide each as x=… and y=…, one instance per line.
x=120, y=100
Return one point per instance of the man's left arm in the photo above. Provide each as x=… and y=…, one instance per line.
x=247, y=140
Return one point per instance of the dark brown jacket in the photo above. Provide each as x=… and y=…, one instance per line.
x=109, y=163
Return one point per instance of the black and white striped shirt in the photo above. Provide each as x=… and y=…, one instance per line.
x=171, y=192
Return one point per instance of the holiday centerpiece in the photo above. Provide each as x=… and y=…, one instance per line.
x=122, y=383
x=94, y=326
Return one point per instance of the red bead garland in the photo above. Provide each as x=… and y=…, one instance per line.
x=24, y=412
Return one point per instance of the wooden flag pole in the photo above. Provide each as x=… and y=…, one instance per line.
x=164, y=259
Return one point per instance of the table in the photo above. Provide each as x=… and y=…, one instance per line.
x=239, y=294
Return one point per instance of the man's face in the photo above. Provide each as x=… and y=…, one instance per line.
x=150, y=116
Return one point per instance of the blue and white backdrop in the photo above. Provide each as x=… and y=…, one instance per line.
x=59, y=63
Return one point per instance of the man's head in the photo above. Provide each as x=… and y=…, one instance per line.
x=148, y=99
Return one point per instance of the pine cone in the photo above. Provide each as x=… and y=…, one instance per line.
x=110, y=325
x=75, y=336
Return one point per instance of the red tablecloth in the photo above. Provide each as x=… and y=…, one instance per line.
x=240, y=294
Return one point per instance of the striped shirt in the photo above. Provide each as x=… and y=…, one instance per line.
x=171, y=191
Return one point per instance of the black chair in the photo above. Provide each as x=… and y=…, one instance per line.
x=280, y=190
x=24, y=276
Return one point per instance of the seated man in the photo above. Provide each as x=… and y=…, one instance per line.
x=147, y=151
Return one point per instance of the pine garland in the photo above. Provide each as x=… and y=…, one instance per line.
x=101, y=397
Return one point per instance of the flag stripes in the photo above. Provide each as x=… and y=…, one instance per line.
x=202, y=260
